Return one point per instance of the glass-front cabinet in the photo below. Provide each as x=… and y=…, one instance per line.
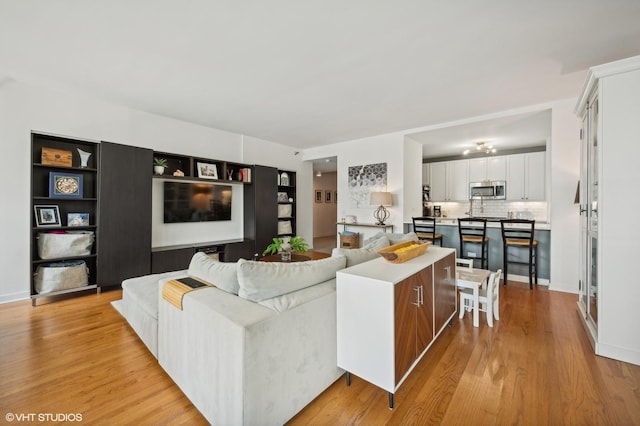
x=609, y=238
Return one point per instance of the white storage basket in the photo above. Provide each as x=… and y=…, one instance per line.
x=61, y=276
x=70, y=244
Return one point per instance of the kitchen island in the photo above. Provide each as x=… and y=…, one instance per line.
x=448, y=227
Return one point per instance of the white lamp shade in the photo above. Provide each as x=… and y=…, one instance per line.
x=381, y=199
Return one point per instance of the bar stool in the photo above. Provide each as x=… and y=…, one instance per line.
x=519, y=233
x=474, y=231
x=425, y=228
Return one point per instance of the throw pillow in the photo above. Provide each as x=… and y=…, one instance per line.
x=222, y=275
x=263, y=280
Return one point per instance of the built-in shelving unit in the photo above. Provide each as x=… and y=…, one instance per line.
x=286, y=203
x=188, y=167
x=50, y=208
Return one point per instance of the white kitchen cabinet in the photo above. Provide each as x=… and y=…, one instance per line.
x=488, y=168
x=497, y=168
x=609, y=240
x=388, y=315
x=449, y=181
x=477, y=169
x=526, y=177
x=426, y=172
x=438, y=181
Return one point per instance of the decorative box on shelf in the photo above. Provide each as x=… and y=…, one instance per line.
x=401, y=252
x=56, y=157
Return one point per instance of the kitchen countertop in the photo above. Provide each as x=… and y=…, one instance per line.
x=492, y=222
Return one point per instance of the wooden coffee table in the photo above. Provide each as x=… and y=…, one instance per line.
x=297, y=257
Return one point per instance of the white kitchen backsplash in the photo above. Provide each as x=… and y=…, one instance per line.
x=495, y=208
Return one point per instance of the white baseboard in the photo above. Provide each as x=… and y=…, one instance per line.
x=525, y=279
x=14, y=297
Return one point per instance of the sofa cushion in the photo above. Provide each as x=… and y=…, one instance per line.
x=393, y=238
x=222, y=275
x=289, y=301
x=263, y=280
x=359, y=255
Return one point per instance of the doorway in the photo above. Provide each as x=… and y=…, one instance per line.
x=325, y=204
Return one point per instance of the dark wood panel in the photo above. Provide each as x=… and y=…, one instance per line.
x=444, y=289
x=261, y=207
x=171, y=260
x=124, y=205
x=405, y=298
x=424, y=312
x=235, y=251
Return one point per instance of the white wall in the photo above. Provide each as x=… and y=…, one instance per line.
x=325, y=214
x=388, y=148
x=412, y=188
x=25, y=108
x=563, y=157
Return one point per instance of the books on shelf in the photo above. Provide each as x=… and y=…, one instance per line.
x=245, y=174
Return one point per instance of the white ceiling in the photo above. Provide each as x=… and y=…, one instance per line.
x=505, y=133
x=308, y=73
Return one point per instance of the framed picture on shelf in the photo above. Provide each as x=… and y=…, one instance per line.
x=77, y=219
x=327, y=196
x=47, y=216
x=283, y=197
x=207, y=171
x=65, y=185
x=318, y=195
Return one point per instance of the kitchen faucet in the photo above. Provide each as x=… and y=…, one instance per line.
x=473, y=197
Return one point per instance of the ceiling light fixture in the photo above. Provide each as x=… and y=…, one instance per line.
x=481, y=147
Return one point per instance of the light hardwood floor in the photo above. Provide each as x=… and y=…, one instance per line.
x=534, y=367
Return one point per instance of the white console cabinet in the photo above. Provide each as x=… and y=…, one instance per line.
x=388, y=315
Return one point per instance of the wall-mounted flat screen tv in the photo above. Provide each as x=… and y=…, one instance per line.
x=196, y=202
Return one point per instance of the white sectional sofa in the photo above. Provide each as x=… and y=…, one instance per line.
x=258, y=346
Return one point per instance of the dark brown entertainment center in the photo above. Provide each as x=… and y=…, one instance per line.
x=116, y=193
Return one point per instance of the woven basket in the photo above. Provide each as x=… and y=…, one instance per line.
x=391, y=255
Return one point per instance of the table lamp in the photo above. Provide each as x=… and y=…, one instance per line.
x=381, y=199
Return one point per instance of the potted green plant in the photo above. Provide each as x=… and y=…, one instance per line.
x=285, y=246
x=159, y=164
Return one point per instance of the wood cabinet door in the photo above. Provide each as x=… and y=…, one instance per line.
x=424, y=312
x=405, y=303
x=444, y=290
x=124, y=213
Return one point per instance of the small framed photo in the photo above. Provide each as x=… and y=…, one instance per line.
x=283, y=197
x=77, y=219
x=47, y=215
x=318, y=196
x=65, y=185
x=335, y=197
x=207, y=171
x=328, y=196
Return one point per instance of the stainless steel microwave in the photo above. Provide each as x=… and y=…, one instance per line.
x=488, y=190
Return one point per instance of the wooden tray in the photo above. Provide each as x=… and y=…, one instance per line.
x=390, y=254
